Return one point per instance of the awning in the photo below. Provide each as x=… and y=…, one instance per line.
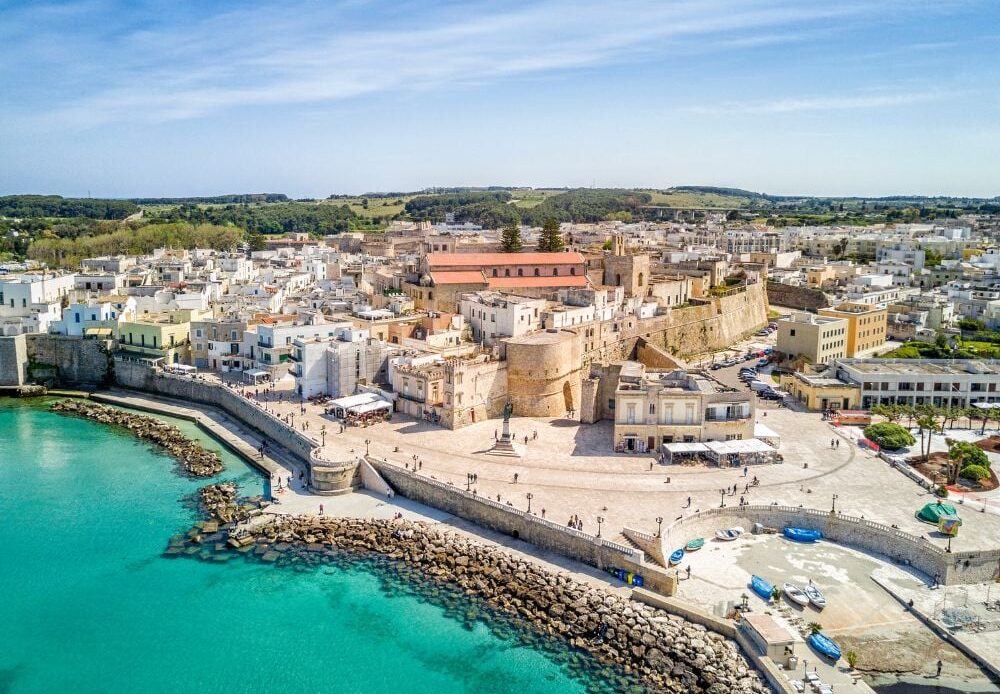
x=684, y=447
x=739, y=447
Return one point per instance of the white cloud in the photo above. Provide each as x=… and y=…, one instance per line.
x=844, y=102
x=315, y=52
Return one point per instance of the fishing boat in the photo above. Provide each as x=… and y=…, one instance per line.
x=695, y=544
x=729, y=534
x=761, y=587
x=824, y=645
x=802, y=534
x=815, y=597
x=794, y=593
x=676, y=557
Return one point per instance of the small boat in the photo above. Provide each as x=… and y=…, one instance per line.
x=794, y=593
x=729, y=534
x=761, y=587
x=695, y=544
x=824, y=645
x=815, y=597
x=676, y=557
x=802, y=534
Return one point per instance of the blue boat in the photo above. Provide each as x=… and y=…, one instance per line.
x=761, y=587
x=824, y=645
x=802, y=535
x=676, y=557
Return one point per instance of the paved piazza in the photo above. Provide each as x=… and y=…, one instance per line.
x=570, y=470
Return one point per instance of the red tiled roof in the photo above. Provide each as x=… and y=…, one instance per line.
x=459, y=277
x=556, y=281
x=465, y=259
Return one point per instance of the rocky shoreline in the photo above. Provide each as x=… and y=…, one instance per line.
x=662, y=652
x=193, y=458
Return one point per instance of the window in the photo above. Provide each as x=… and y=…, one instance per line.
x=555, y=271
x=652, y=408
x=537, y=273
x=572, y=271
x=791, y=332
x=495, y=273
x=76, y=316
x=506, y=273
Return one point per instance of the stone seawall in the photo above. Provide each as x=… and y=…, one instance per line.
x=69, y=360
x=911, y=550
x=511, y=521
x=326, y=476
x=665, y=652
x=13, y=361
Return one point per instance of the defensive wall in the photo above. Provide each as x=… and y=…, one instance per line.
x=514, y=522
x=54, y=360
x=326, y=476
x=802, y=298
x=901, y=547
x=13, y=361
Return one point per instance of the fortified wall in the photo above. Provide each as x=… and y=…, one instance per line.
x=802, y=298
x=54, y=360
x=946, y=567
x=326, y=476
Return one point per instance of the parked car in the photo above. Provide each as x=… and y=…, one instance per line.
x=763, y=362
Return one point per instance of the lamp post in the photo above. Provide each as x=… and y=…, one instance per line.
x=530, y=497
x=292, y=415
x=833, y=508
x=659, y=526
x=722, y=493
x=367, y=444
x=322, y=432
x=949, y=544
x=600, y=519
x=468, y=481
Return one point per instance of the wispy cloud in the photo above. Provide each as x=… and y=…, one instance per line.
x=316, y=52
x=844, y=102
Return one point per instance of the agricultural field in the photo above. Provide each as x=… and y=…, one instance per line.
x=669, y=198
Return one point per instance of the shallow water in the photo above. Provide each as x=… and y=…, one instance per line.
x=89, y=604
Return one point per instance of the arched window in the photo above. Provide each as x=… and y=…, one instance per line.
x=555, y=271
x=430, y=295
x=495, y=272
x=506, y=273
x=537, y=273
x=520, y=272
x=640, y=279
x=618, y=280
x=572, y=271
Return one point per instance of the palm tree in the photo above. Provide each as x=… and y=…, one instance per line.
x=927, y=423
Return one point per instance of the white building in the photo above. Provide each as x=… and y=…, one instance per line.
x=493, y=316
x=30, y=302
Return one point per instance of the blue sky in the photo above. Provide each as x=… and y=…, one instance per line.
x=826, y=97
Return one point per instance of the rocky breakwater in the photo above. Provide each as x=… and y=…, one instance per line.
x=665, y=652
x=194, y=460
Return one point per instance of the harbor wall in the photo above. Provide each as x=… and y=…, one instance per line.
x=903, y=548
x=13, y=361
x=514, y=522
x=326, y=476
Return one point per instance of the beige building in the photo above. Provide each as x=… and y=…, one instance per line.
x=866, y=326
x=164, y=336
x=655, y=408
x=821, y=391
x=815, y=339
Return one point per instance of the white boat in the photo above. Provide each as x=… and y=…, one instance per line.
x=815, y=597
x=729, y=534
x=794, y=593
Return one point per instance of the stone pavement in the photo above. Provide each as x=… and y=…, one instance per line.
x=569, y=470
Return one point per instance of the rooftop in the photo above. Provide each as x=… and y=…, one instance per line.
x=922, y=367
x=442, y=260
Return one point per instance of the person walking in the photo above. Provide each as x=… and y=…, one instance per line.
x=515, y=478
x=939, y=665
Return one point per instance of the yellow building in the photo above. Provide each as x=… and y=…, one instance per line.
x=866, y=326
x=819, y=276
x=821, y=392
x=164, y=335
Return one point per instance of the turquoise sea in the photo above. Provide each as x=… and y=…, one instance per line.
x=87, y=603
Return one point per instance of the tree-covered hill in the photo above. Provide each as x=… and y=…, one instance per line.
x=31, y=206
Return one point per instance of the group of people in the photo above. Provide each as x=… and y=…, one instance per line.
x=574, y=522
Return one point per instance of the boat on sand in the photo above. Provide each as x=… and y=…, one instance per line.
x=794, y=593
x=729, y=534
x=815, y=596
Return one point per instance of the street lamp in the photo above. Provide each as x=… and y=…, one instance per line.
x=292, y=415
x=322, y=432
x=468, y=483
x=833, y=508
x=367, y=444
x=530, y=497
x=949, y=544
x=659, y=526
x=600, y=519
x=722, y=493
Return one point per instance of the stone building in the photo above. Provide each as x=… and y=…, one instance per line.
x=543, y=373
x=624, y=270
x=653, y=408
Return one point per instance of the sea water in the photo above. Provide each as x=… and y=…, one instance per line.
x=88, y=604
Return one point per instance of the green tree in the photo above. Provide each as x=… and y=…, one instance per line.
x=971, y=324
x=510, y=237
x=551, y=241
x=928, y=425
x=889, y=435
x=962, y=455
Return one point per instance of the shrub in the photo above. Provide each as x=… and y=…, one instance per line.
x=968, y=454
x=975, y=472
x=889, y=435
x=815, y=627
x=941, y=492
x=852, y=658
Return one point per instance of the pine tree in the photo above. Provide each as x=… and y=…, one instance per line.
x=551, y=240
x=510, y=237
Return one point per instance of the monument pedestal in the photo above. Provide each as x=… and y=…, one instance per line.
x=504, y=445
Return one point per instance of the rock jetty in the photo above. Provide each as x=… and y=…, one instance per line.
x=194, y=460
x=663, y=651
